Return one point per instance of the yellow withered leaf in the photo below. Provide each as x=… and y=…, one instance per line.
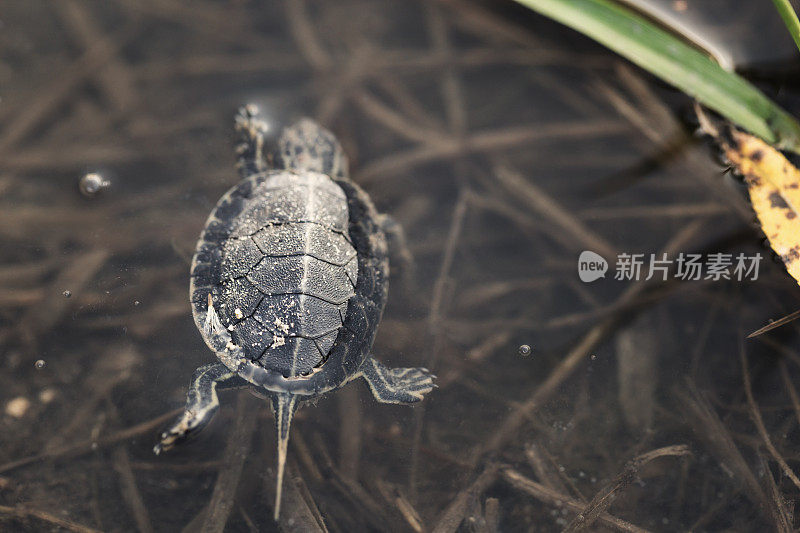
x=774, y=186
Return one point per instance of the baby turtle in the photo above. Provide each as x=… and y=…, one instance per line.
x=288, y=283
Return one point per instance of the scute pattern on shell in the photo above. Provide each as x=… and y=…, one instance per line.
x=287, y=269
x=294, y=198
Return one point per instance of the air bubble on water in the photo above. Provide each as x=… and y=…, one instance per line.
x=524, y=350
x=92, y=183
x=67, y=294
x=39, y=364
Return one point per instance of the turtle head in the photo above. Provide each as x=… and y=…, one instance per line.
x=305, y=145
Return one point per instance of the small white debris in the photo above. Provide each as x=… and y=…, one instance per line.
x=17, y=407
x=238, y=313
x=278, y=341
x=281, y=325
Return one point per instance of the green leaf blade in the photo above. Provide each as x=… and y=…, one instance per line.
x=789, y=18
x=676, y=62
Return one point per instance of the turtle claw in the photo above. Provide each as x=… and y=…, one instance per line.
x=418, y=381
x=178, y=432
x=162, y=446
x=202, y=402
x=247, y=121
x=250, y=149
x=397, y=385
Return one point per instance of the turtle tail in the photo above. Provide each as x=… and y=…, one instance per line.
x=284, y=405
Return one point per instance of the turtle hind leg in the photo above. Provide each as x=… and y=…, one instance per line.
x=250, y=147
x=202, y=403
x=400, y=259
x=397, y=385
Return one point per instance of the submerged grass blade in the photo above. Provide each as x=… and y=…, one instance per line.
x=789, y=18
x=676, y=62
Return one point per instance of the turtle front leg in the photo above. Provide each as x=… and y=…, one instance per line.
x=251, y=131
x=397, y=385
x=202, y=403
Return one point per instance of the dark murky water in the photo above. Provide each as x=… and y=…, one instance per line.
x=505, y=145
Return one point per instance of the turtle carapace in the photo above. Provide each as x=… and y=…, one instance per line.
x=288, y=283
